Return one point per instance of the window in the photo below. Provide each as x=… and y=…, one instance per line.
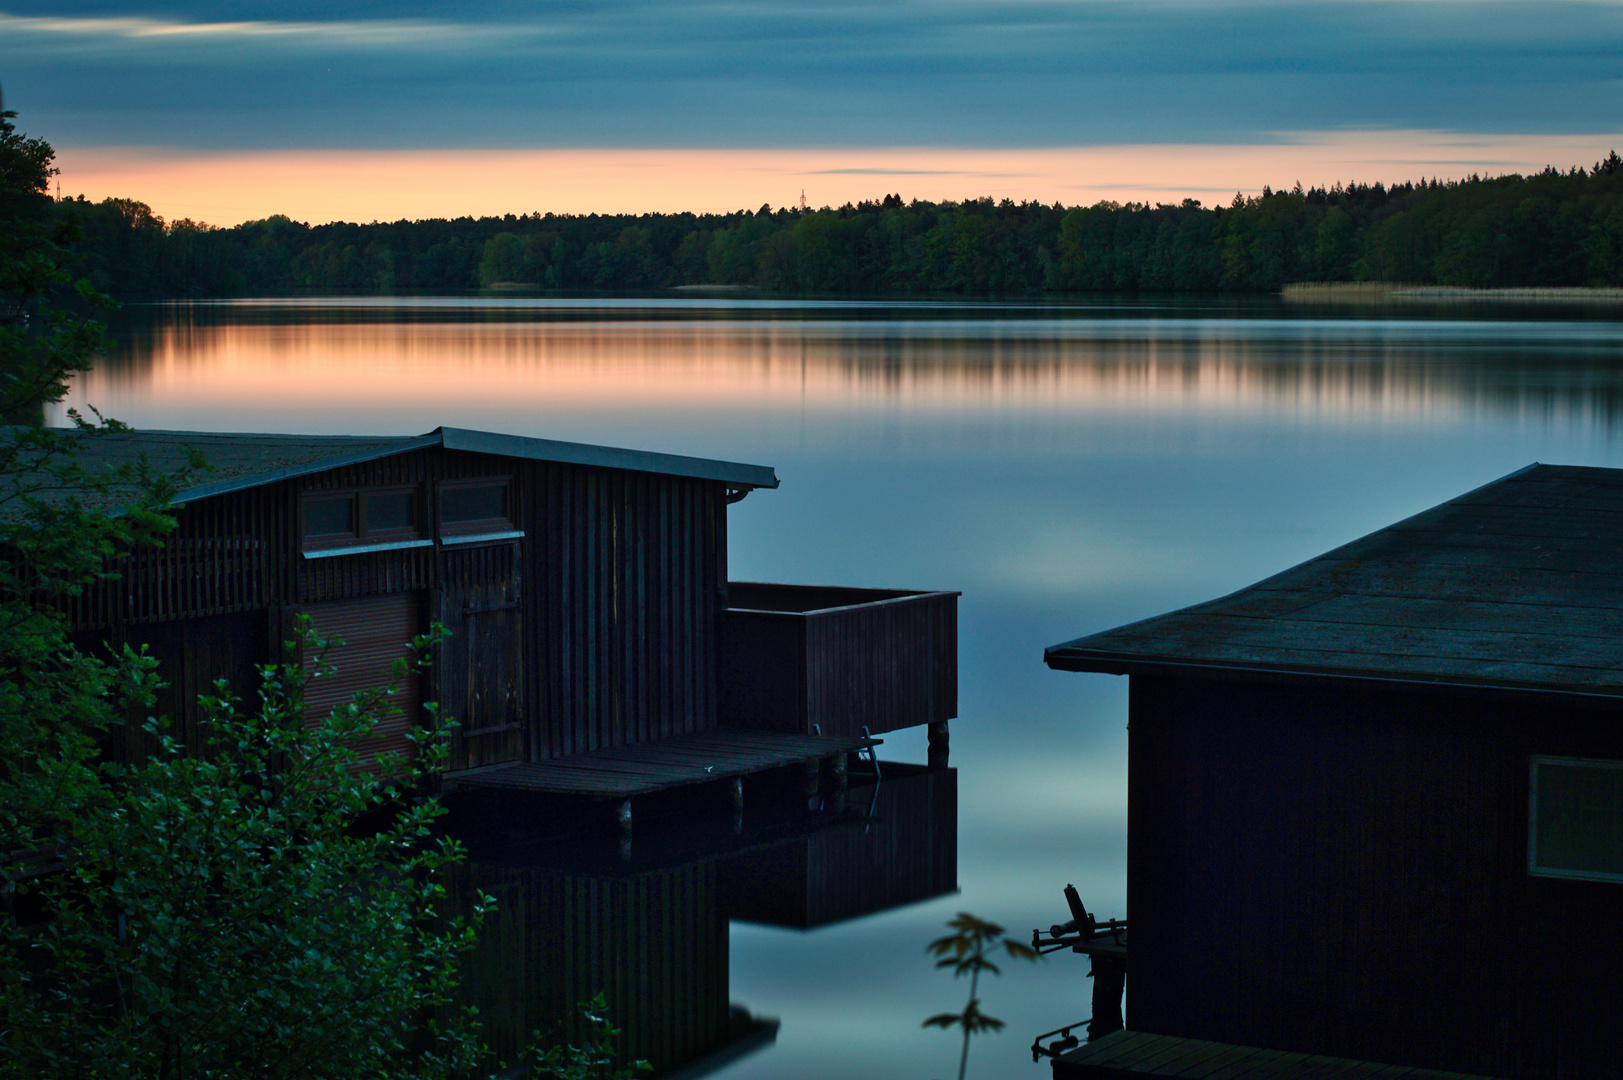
x=350, y=519
x=329, y=516
x=1575, y=821
x=481, y=508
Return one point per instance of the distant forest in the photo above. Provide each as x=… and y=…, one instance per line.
x=1550, y=229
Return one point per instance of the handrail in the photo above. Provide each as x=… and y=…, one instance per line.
x=1066, y=1041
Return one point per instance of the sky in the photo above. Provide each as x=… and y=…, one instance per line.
x=223, y=111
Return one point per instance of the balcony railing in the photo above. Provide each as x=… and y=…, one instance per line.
x=809, y=658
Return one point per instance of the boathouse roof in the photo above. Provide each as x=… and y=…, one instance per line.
x=239, y=460
x=1517, y=584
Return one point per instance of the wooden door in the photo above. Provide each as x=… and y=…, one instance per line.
x=479, y=664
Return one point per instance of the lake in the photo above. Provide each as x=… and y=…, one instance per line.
x=1068, y=466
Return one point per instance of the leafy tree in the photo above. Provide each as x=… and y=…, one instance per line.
x=264, y=909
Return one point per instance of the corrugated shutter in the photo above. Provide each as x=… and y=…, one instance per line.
x=376, y=631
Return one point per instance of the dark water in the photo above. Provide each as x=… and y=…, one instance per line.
x=1068, y=467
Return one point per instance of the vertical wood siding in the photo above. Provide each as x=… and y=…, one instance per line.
x=193, y=654
x=883, y=664
x=480, y=665
x=1337, y=870
x=229, y=553
x=612, y=639
x=626, y=595
x=654, y=944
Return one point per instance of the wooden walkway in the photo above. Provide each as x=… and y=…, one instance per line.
x=1135, y=1054
x=639, y=768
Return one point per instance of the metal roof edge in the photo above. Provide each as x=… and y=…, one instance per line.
x=204, y=491
x=611, y=457
x=1106, y=663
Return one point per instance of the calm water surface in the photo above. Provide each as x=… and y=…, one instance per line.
x=1068, y=467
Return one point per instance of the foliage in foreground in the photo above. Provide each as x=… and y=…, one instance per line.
x=595, y=1057
x=231, y=914
x=966, y=950
x=262, y=910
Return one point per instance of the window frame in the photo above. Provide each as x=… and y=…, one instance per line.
x=1534, y=868
x=452, y=531
x=362, y=535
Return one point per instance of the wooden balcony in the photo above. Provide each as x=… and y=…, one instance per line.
x=808, y=658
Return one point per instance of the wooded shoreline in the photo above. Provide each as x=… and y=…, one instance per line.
x=1550, y=230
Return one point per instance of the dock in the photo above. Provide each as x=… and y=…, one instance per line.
x=1135, y=1054
x=623, y=772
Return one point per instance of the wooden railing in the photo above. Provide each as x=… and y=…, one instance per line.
x=805, y=658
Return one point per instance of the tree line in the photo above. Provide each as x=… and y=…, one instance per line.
x=1552, y=228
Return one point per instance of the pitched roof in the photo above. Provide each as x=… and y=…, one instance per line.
x=1516, y=584
x=243, y=460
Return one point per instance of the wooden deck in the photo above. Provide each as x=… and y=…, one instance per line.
x=640, y=768
x=1136, y=1054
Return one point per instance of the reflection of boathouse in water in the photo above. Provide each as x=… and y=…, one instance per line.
x=597, y=647
x=1375, y=806
x=650, y=931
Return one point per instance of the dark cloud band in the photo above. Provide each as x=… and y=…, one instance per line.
x=975, y=73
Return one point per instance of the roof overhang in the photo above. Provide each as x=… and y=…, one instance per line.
x=1061, y=658
x=739, y=477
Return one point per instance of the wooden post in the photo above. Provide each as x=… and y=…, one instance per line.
x=1109, y=978
x=813, y=773
x=938, y=744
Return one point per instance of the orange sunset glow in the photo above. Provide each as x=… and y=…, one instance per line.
x=303, y=376
x=330, y=185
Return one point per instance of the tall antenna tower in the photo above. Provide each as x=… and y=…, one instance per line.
x=802, y=200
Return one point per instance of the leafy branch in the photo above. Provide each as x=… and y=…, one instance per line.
x=966, y=950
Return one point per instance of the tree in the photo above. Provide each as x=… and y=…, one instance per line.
x=264, y=909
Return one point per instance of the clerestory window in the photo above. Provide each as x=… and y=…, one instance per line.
x=477, y=509
x=373, y=518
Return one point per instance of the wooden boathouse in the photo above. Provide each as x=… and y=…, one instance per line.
x=585, y=590
x=1375, y=806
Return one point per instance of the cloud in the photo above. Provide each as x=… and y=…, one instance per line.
x=293, y=74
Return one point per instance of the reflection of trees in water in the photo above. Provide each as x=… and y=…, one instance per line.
x=1549, y=374
x=652, y=934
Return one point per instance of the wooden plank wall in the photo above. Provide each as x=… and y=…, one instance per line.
x=1336, y=870
x=624, y=570
x=481, y=665
x=229, y=553
x=884, y=666
x=654, y=943
x=881, y=664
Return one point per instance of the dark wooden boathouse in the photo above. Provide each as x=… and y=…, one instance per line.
x=584, y=587
x=1375, y=802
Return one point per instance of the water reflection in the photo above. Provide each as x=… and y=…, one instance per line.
x=264, y=360
x=647, y=923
